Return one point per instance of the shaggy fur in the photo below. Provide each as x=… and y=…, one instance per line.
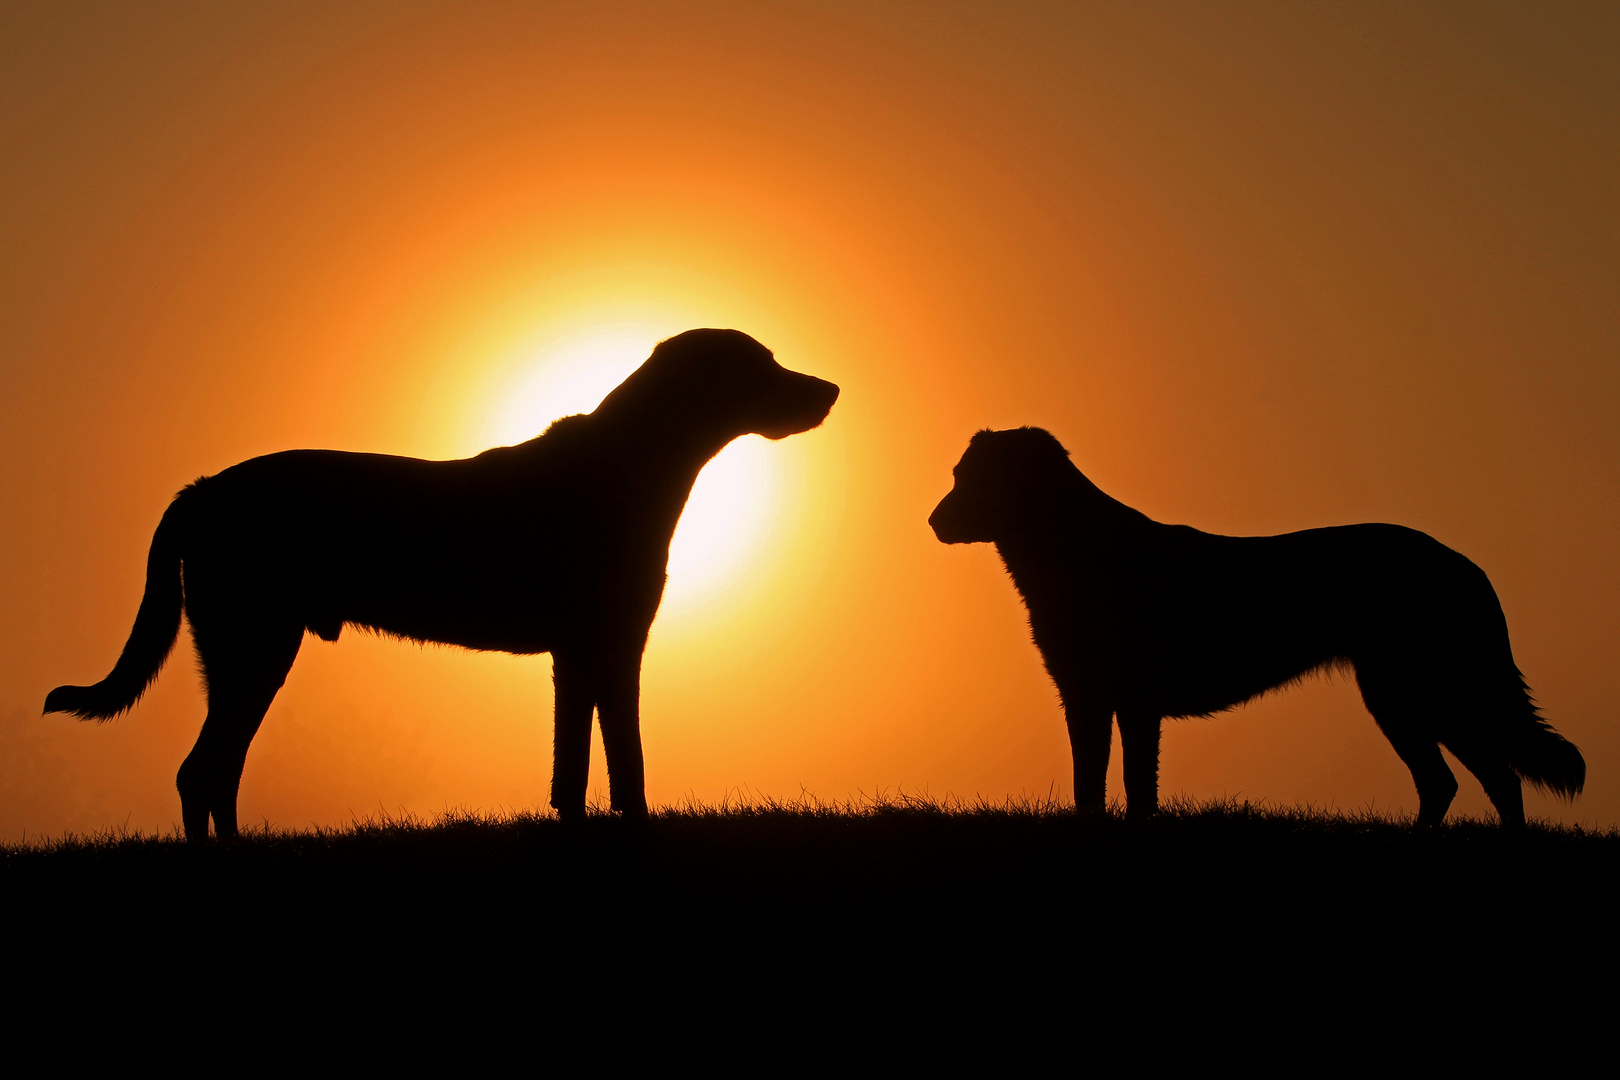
x=556, y=545
x=1143, y=621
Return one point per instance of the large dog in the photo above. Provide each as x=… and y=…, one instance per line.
x=556, y=545
x=1143, y=621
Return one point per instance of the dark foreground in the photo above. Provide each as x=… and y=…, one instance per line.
x=908, y=890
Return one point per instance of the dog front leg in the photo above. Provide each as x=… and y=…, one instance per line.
x=620, y=705
x=571, y=760
x=1139, y=743
x=1090, y=733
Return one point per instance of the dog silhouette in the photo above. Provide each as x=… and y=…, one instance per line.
x=1141, y=621
x=557, y=545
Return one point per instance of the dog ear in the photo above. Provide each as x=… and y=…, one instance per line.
x=1043, y=444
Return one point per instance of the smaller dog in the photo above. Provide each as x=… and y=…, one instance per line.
x=1140, y=621
x=556, y=545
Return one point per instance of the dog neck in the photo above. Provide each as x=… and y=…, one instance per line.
x=1040, y=551
x=1031, y=559
x=654, y=464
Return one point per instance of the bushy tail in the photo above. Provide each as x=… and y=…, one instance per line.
x=1545, y=758
x=157, y=624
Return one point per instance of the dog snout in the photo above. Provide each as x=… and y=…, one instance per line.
x=805, y=404
x=827, y=394
x=821, y=394
x=940, y=521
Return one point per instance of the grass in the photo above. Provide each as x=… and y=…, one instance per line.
x=819, y=888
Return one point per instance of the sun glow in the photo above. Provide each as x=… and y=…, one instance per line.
x=732, y=508
x=735, y=501
x=570, y=374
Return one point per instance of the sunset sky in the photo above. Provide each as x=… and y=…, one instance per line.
x=1260, y=267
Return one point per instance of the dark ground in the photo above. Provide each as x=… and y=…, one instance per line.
x=982, y=939
x=1220, y=891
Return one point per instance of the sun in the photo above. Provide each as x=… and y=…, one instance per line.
x=732, y=508
x=736, y=498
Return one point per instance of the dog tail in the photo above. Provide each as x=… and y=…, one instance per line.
x=1541, y=756
x=157, y=624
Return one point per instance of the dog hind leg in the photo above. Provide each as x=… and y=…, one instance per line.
x=243, y=675
x=1436, y=786
x=1091, y=731
x=1393, y=693
x=1139, y=743
x=1502, y=785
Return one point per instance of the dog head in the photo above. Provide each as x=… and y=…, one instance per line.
x=1003, y=483
x=722, y=384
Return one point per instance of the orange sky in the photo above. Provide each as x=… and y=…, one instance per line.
x=1260, y=268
